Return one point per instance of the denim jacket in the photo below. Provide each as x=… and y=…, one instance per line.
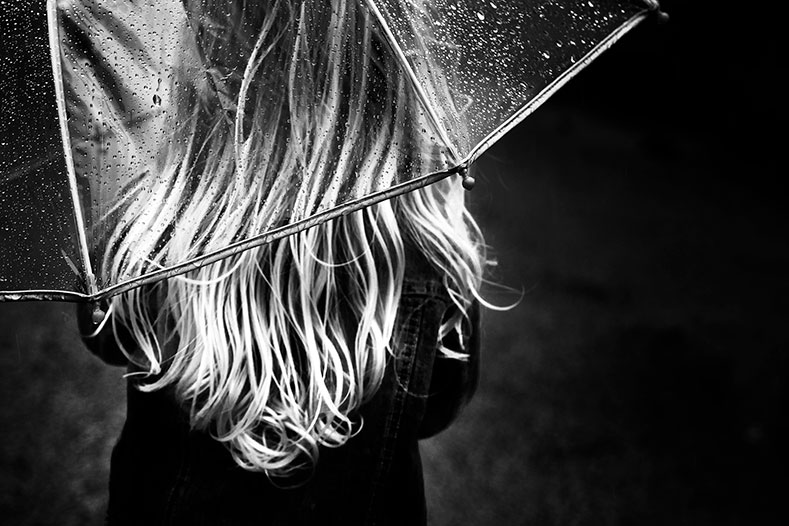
x=163, y=472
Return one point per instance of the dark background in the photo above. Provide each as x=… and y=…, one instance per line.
x=640, y=380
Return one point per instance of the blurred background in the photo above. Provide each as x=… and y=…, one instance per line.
x=641, y=377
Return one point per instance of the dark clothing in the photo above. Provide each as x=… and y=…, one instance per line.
x=164, y=473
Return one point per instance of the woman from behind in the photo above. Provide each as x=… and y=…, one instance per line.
x=289, y=383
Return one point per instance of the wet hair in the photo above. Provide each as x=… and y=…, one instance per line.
x=272, y=349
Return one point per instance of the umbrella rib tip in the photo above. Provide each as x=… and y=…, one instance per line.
x=654, y=6
x=468, y=180
x=97, y=314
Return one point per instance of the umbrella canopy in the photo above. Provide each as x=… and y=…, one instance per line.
x=131, y=125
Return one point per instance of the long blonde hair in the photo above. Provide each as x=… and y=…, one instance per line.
x=272, y=349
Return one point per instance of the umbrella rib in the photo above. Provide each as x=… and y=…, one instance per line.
x=277, y=233
x=54, y=43
x=415, y=84
x=44, y=295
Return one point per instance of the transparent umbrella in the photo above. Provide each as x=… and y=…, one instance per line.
x=109, y=107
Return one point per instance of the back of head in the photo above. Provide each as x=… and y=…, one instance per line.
x=291, y=109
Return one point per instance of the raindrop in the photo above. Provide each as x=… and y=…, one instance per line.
x=481, y=16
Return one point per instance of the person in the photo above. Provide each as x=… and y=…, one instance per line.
x=290, y=383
